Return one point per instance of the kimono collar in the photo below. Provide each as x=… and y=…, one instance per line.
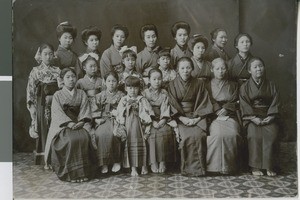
x=62, y=48
x=184, y=48
x=70, y=92
x=218, y=82
x=154, y=50
x=91, y=79
x=152, y=90
x=164, y=70
x=134, y=99
x=200, y=60
x=185, y=82
x=218, y=48
x=243, y=59
x=44, y=66
x=258, y=84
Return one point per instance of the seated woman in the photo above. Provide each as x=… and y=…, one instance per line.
x=190, y=105
x=259, y=102
x=224, y=140
x=68, y=148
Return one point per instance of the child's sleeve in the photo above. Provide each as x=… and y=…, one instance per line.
x=165, y=107
x=120, y=118
x=145, y=111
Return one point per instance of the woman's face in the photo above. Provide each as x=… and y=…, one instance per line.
x=181, y=37
x=47, y=56
x=257, y=69
x=185, y=69
x=243, y=44
x=118, y=38
x=150, y=38
x=155, y=80
x=198, y=50
x=70, y=80
x=219, y=70
x=111, y=83
x=221, y=39
x=66, y=40
x=92, y=42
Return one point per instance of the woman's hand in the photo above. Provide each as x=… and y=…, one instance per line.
x=256, y=121
x=267, y=120
x=78, y=125
x=147, y=132
x=99, y=121
x=32, y=110
x=70, y=125
x=222, y=112
x=114, y=112
x=184, y=120
x=155, y=124
x=161, y=123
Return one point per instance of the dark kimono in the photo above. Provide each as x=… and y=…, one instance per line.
x=201, y=70
x=260, y=101
x=161, y=142
x=108, y=145
x=215, y=52
x=146, y=60
x=67, y=58
x=224, y=141
x=190, y=99
x=237, y=69
x=110, y=61
x=177, y=53
x=69, y=151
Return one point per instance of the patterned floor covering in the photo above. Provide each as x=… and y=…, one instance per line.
x=33, y=182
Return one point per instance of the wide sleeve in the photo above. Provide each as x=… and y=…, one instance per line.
x=58, y=116
x=232, y=103
x=274, y=107
x=78, y=68
x=31, y=89
x=105, y=63
x=145, y=111
x=165, y=107
x=139, y=63
x=85, y=111
x=175, y=107
x=203, y=103
x=245, y=106
x=121, y=109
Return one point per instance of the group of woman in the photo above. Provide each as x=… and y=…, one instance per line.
x=131, y=112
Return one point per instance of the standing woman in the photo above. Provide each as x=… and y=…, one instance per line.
x=190, y=105
x=259, y=102
x=147, y=58
x=202, y=68
x=224, y=140
x=237, y=65
x=112, y=57
x=219, y=41
x=68, y=148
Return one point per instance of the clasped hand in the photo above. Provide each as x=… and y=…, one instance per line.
x=75, y=126
x=261, y=122
x=189, y=122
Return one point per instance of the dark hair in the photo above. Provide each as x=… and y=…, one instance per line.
x=179, y=25
x=129, y=53
x=198, y=38
x=164, y=52
x=66, y=27
x=216, y=60
x=215, y=32
x=252, y=60
x=120, y=27
x=44, y=46
x=237, y=38
x=132, y=81
x=148, y=27
x=185, y=59
x=111, y=73
x=91, y=30
x=90, y=58
x=154, y=70
x=65, y=70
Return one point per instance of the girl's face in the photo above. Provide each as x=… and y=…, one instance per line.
x=164, y=62
x=118, y=38
x=155, y=80
x=185, y=69
x=70, y=80
x=66, y=40
x=198, y=50
x=181, y=37
x=219, y=70
x=90, y=68
x=150, y=38
x=129, y=63
x=92, y=42
x=132, y=91
x=243, y=44
x=221, y=39
x=111, y=83
x=47, y=56
x=256, y=69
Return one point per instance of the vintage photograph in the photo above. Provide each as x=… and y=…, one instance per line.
x=154, y=99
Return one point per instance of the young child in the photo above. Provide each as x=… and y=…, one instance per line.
x=64, y=56
x=147, y=58
x=202, y=68
x=180, y=32
x=134, y=112
x=42, y=83
x=91, y=38
x=161, y=142
x=111, y=57
x=129, y=60
x=108, y=146
x=164, y=62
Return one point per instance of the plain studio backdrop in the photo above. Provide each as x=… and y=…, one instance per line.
x=271, y=23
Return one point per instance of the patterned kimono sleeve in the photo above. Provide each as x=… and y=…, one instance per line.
x=165, y=107
x=96, y=111
x=31, y=89
x=145, y=111
x=120, y=118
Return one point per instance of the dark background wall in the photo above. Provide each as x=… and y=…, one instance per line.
x=34, y=22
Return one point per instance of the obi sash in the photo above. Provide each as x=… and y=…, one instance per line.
x=187, y=107
x=260, y=107
x=72, y=111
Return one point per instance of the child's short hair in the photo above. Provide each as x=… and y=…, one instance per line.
x=198, y=38
x=129, y=53
x=120, y=27
x=217, y=60
x=66, y=27
x=88, y=59
x=179, y=25
x=44, y=46
x=65, y=70
x=164, y=52
x=252, y=60
x=91, y=30
x=111, y=73
x=148, y=27
x=182, y=59
x=215, y=32
x=237, y=38
x=132, y=81
x=154, y=70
